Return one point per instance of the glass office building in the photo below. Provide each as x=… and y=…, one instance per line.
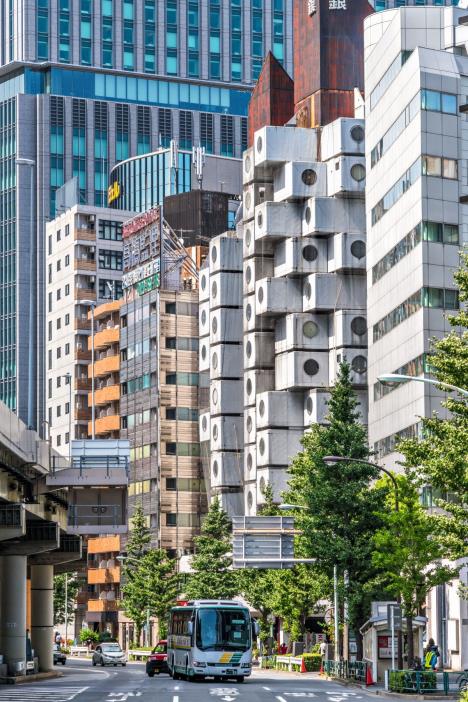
x=85, y=85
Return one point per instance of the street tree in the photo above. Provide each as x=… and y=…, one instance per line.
x=140, y=535
x=72, y=587
x=159, y=572
x=135, y=596
x=440, y=457
x=341, y=506
x=212, y=577
x=407, y=552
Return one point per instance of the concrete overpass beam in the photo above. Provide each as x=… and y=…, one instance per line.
x=42, y=614
x=13, y=609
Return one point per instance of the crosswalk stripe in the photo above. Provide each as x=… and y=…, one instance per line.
x=35, y=694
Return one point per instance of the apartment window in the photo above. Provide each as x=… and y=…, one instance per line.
x=59, y=381
x=79, y=148
x=398, y=126
x=110, y=289
x=143, y=130
x=67, y=319
x=49, y=387
x=417, y=366
x=182, y=343
x=165, y=126
x=184, y=414
x=108, y=229
x=67, y=437
x=182, y=448
x=149, y=17
x=396, y=191
x=42, y=25
x=59, y=294
x=49, y=416
x=67, y=230
x=67, y=289
x=439, y=102
x=101, y=164
x=389, y=444
x=59, y=322
x=182, y=379
x=193, y=22
x=185, y=129
x=59, y=265
x=122, y=120
x=64, y=31
x=183, y=308
x=50, y=244
x=227, y=135
x=439, y=167
x=49, y=359
x=59, y=440
x=207, y=131
x=67, y=260
x=85, y=33
x=67, y=349
x=388, y=77
x=59, y=235
x=59, y=352
x=171, y=37
x=110, y=260
x=49, y=333
x=49, y=302
x=171, y=484
x=171, y=519
x=107, y=33
x=59, y=411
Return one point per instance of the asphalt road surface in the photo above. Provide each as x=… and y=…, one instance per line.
x=83, y=683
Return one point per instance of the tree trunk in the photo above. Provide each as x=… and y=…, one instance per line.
x=138, y=628
x=410, y=647
x=359, y=647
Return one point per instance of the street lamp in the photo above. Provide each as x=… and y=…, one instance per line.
x=288, y=507
x=31, y=164
x=330, y=460
x=390, y=378
x=92, y=305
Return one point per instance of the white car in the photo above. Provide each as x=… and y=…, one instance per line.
x=109, y=654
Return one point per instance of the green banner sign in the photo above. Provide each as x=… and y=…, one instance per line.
x=147, y=284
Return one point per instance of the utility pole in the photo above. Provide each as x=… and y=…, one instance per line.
x=337, y=622
x=66, y=609
x=346, y=617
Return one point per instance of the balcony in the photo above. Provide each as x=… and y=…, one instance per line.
x=97, y=605
x=83, y=324
x=82, y=414
x=96, y=519
x=105, y=366
x=103, y=396
x=104, y=425
x=85, y=294
x=85, y=234
x=83, y=384
x=84, y=264
x=104, y=544
x=104, y=338
x=103, y=576
x=82, y=355
x=84, y=470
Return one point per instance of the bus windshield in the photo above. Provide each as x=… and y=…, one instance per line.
x=221, y=629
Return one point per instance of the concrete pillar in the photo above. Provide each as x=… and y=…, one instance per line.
x=42, y=614
x=13, y=608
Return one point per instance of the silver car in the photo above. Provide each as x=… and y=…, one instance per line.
x=109, y=654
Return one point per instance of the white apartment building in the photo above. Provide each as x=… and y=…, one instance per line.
x=304, y=292
x=83, y=266
x=416, y=86
x=221, y=371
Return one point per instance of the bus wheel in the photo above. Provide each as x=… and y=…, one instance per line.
x=198, y=678
x=240, y=679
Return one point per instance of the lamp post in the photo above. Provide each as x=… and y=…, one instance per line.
x=389, y=378
x=92, y=305
x=68, y=380
x=331, y=460
x=288, y=507
x=32, y=315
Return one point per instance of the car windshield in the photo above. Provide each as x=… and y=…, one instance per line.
x=56, y=647
x=160, y=648
x=220, y=629
x=111, y=647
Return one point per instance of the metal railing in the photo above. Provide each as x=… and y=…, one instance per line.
x=12, y=516
x=347, y=670
x=427, y=681
x=95, y=515
x=89, y=462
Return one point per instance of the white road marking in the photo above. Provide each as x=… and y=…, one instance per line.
x=299, y=694
x=175, y=698
x=280, y=699
x=41, y=694
x=267, y=688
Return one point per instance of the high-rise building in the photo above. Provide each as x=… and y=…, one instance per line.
x=87, y=84
x=416, y=200
x=84, y=268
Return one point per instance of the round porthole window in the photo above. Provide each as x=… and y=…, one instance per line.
x=358, y=172
x=215, y=469
x=262, y=485
x=204, y=424
x=309, y=177
x=357, y=133
x=214, y=360
x=359, y=364
x=203, y=317
x=214, y=289
x=203, y=282
x=249, y=500
x=248, y=349
x=260, y=220
x=310, y=329
x=248, y=386
x=247, y=164
x=261, y=408
x=215, y=432
x=311, y=367
x=358, y=249
x=308, y=290
x=259, y=144
x=309, y=405
x=249, y=461
x=308, y=215
x=261, y=446
x=248, y=237
x=248, y=200
x=359, y=326
x=248, y=312
x=248, y=275
x=214, y=397
x=214, y=254
x=249, y=424
x=260, y=295
x=309, y=253
x=203, y=352
x=214, y=325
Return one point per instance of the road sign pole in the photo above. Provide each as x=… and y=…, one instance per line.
x=337, y=623
x=392, y=631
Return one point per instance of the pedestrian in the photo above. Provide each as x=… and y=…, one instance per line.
x=57, y=638
x=323, y=652
x=431, y=655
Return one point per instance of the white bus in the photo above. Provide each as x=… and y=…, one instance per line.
x=210, y=638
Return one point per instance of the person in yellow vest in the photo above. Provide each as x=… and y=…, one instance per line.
x=431, y=655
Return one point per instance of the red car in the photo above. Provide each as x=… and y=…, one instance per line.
x=157, y=660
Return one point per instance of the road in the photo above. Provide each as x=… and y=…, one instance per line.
x=82, y=683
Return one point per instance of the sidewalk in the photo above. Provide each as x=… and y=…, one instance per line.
x=379, y=689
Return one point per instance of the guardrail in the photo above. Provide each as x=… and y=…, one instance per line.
x=95, y=515
x=291, y=663
x=79, y=651
x=89, y=462
x=426, y=682
x=138, y=654
x=347, y=670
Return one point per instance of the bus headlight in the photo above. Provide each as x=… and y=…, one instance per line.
x=199, y=664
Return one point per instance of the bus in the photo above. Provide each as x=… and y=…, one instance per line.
x=210, y=638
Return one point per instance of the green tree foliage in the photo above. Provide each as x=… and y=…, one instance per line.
x=149, y=582
x=212, y=577
x=406, y=551
x=88, y=636
x=341, y=506
x=59, y=596
x=441, y=457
